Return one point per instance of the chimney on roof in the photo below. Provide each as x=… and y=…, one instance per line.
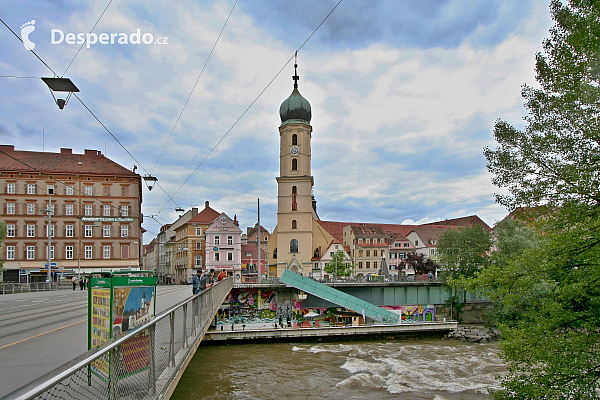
x=64, y=150
x=206, y=204
x=314, y=203
x=7, y=147
x=88, y=152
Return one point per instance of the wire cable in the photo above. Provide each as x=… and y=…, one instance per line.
x=252, y=103
x=80, y=47
x=194, y=87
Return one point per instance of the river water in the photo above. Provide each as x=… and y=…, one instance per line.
x=432, y=369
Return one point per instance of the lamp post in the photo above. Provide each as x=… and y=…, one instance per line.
x=48, y=212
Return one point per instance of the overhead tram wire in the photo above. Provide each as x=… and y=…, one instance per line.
x=80, y=47
x=194, y=87
x=90, y=111
x=252, y=103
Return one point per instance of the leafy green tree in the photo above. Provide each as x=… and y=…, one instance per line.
x=337, y=266
x=462, y=252
x=553, y=345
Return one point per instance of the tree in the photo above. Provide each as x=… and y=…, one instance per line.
x=552, y=346
x=462, y=253
x=421, y=264
x=338, y=265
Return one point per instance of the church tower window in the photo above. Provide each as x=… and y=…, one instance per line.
x=293, y=246
x=294, y=139
x=294, y=164
x=294, y=225
x=294, y=201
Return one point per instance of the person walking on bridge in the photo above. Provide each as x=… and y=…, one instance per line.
x=196, y=281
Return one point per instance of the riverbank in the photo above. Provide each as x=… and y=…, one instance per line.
x=475, y=334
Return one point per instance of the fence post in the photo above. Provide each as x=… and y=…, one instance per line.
x=185, y=340
x=172, y=340
x=152, y=374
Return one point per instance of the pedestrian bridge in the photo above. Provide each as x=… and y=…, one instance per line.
x=146, y=363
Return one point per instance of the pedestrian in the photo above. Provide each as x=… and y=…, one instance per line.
x=85, y=282
x=196, y=281
x=221, y=276
x=205, y=282
x=74, y=280
x=81, y=284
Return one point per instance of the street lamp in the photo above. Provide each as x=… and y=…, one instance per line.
x=60, y=85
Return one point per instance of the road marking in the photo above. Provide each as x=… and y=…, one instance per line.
x=41, y=334
x=67, y=326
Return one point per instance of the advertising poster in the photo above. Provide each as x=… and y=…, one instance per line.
x=100, y=327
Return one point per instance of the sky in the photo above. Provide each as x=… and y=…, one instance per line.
x=404, y=96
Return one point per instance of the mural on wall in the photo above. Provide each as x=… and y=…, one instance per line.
x=418, y=313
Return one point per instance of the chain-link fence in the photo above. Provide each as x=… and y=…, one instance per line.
x=12, y=288
x=144, y=364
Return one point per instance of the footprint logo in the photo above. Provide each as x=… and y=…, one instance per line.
x=26, y=29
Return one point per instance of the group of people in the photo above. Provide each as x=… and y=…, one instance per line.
x=204, y=280
x=82, y=283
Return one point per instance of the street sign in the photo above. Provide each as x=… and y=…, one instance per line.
x=52, y=265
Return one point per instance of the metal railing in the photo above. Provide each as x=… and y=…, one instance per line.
x=12, y=288
x=144, y=364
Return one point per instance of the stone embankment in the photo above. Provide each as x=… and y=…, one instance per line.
x=475, y=334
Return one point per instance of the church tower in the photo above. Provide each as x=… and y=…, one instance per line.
x=295, y=213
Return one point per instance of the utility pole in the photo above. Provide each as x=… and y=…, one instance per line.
x=258, y=241
x=49, y=213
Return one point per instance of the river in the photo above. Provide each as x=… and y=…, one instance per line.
x=432, y=369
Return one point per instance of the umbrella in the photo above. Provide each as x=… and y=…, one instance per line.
x=311, y=314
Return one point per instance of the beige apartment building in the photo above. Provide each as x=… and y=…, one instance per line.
x=94, y=208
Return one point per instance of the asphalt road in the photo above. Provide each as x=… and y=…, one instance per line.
x=41, y=331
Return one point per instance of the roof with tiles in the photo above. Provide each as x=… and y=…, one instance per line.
x=206, y=216
x=463, y=221
x=251, y=248
x=430, y=234
x=91, y=162
x=336, y=229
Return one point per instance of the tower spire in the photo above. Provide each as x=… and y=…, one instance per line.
x=296, y=78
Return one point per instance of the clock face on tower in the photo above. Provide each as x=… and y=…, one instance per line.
x=294, y=150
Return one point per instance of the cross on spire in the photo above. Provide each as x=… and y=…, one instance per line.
x=296, y=78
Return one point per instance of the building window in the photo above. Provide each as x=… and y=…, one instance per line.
x=49, y=189
x=229, y=240
x=30, y=230
x=124, y=211
x=51, y=228
x=368, y=264
x=198, y=261
x=416, y=242
x=403, y=255
x=89, y=191
x=106, y=252
x=88, y=231
x=51, y=252
x=69, y=190
x=407, y=244
x=106, y=230
x=88, y=252
x=198, y=231
x=293, y=246
x=360, y=264
x=374, y=253
x=360, y=241
x=216, y=256
x=294, y=139
x=11, y=230
x=124, y=230
x=30, y=253
x=198, y=245
x=374, y=264
x=69, y=209
x=10, y=252
x=107, y=191
x=294, y=226
x=51, y=207
x=10, y=208
x=368, y=253
x=31, y=188
x=217, y=240
x=10, y=188
x=124, y=191
x=87, y=209
x=125, y=251
x=229, y=256
x=69, y=252
x=368, y=241
x=294, y=164
x=69, y=230
x=106, y=210
x=360, y=253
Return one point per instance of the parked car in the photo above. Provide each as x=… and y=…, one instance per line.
x=187, y=281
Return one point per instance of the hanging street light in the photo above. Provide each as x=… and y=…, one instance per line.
x=60, y=85
x=150, y=181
